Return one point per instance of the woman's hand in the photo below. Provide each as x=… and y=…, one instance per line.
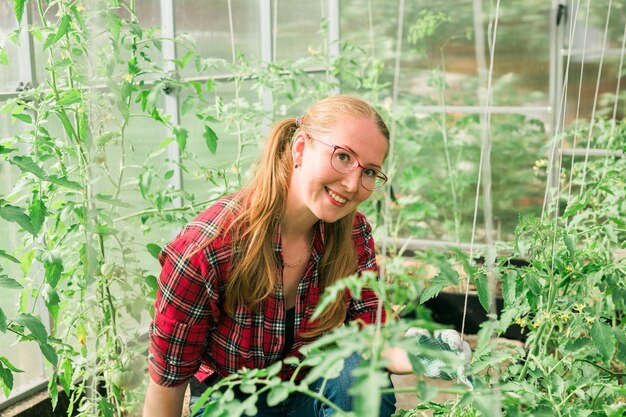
x=445, y=340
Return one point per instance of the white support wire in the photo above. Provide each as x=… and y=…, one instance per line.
x=484, y=138
x=554, y=164
x=595, y=97
x=619, y=78
x=394, y=103
x=580, y=87
x=485, y=155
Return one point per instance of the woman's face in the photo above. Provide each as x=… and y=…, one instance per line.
x=315, y=185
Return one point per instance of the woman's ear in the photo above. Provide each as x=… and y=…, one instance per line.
x=297, y=149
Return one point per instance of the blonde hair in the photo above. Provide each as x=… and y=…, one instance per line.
x=253, y=275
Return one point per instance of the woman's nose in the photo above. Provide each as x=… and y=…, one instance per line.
x=352, y=180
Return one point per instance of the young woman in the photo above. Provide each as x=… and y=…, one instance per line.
x=240, y=283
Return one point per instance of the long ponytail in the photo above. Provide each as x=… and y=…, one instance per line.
x=253, y=276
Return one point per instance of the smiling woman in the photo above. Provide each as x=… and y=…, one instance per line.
x=239, y=283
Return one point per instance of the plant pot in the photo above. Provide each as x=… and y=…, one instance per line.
x=447, y=308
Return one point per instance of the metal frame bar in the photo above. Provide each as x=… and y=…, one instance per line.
x=172, y=107
x=590, y=152
x=591, y=54
x=267, y=55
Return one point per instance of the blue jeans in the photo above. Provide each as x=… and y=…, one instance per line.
x=302, y=405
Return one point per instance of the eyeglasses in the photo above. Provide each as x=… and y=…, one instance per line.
x=345, y=161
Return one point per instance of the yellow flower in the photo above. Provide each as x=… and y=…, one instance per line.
x=312, y=51
x=127, y=77
x=590, y=319
x=537, y=323
x=79, y=8
x=520, y=322
x=569, y=268
x=565, y=317
x=579, y=307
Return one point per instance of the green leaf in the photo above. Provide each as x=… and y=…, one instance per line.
x=17, y=215
x=6, y=282
x=210, y=138
x=9, y=365
x=154, y=250
x=6, y=377
x=64, y=182
x=49, y=353
x=533, y=284
x=23, y=117
x=3, y=322
x=50, y=40
x=487, y=404
x=67, y=124
x=576, y=344
x=65, y=378
x=484, y=293
x=508, y=287
x=4, y=59
x=52, y=301
x=63, y=27
x=151, y=282
x=70, y=97
x=5, y=150
x=447, y=276
x=26, y=164
x=37, y=213
x=53, y=269
x=274, y=369
x=569, y=243
x=573, y=209
x=277, y=394
x=426, y=391
x=602, y=336
x=35, y=326
x=53, y=390
x=18, y=7
x=5, y=255
x=181, y=136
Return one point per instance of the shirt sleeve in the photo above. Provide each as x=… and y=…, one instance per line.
x=184, y=313
x=364, y=310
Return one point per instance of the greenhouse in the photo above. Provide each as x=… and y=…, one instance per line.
x=358, y=208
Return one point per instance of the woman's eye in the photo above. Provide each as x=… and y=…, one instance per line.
x=343, y=157
x=370, y=173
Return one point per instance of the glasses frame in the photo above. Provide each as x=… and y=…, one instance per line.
x=381, y=175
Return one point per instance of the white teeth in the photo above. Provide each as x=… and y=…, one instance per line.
x=336, y=197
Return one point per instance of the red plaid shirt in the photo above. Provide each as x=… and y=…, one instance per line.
x=191, y=334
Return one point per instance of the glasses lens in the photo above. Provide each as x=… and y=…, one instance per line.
x=380, y=181
x=344, y=161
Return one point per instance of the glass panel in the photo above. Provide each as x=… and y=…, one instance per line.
x=583, y=105
x=298, y=28
x=28, y=356
x=9, y=74
x=436, y=171
x=208, y=23
x=238, y=137
x=148, y=15
x=434, y=39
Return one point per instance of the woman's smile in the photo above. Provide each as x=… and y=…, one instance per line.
x=336, y=198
